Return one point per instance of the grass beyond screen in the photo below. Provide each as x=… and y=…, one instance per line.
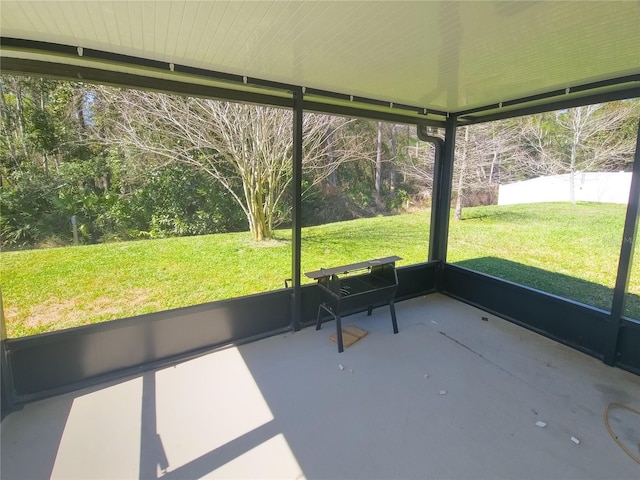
x=568, y=250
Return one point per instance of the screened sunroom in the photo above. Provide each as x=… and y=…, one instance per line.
x=509, y=361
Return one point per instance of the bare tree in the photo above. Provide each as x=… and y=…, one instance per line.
x=588, y=138
x=481, y=151
x=246, y=148
x=539, y=157
x=593, y=143
x=415, y=165
x=462, y=162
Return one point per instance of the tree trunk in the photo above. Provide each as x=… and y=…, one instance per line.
x=258, y=224
x=572, y=172
x=259, y=227
x=458, y=210
x=332, y=179
x=79, y=102
x=394, y=153
x=45, y=157
x=5, y=128
x=461, y=173
x=494, y=160
x=378, y=183
x=20, y=114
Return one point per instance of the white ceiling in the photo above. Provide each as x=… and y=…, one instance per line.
x=449, y=56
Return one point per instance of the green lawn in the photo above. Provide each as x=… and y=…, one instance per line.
x=576, y=248
x=558, y=242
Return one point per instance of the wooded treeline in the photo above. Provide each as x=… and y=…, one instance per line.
x=130, y=164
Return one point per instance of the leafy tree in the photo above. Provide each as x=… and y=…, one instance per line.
x=179, y=201
x=28, y=213
x=131, y=164
x=40, y=133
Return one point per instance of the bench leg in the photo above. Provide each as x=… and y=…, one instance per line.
x=393, y=316
x=318, y=319
x=339, y=333
x=369, y=310
x=338, y=325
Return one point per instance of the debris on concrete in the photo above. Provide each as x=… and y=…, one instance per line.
x=341, y=367
x=434, y=322
x=443, y=392
x=486, y=319
x=426, y=376
x=575, y=440
x=541, y=424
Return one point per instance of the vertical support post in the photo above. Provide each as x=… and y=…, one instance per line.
x=6, y=380
x=625, y=261
x=441, y=196
x=296, y=223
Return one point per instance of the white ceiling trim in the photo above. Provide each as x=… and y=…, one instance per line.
x=445, y=56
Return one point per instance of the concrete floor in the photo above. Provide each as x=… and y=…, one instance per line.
x=290, y=406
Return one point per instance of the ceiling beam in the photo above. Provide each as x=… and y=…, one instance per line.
x=632, y=91
x=405, y=113
x=120, y=79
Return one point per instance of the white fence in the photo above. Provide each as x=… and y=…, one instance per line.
x=606, y=187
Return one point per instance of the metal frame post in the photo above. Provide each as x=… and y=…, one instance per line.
x=625, y=261
x=441, y=197
x=296, y=220
x=6, y=378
